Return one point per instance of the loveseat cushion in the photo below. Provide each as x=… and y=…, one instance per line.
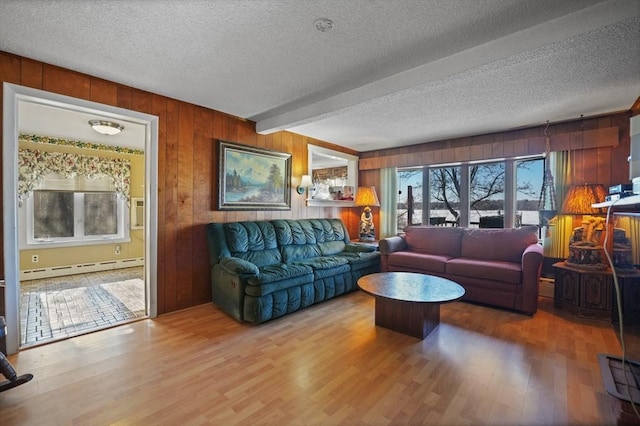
x=497, y=244
x=412, y=260
x=507, y=272
x=434, y=240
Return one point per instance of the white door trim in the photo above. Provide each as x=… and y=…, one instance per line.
x=13, y=94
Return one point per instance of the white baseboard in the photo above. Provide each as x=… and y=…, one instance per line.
x=81, y=268
x=546, y=287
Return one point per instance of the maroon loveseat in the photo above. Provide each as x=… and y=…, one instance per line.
x=499, y=267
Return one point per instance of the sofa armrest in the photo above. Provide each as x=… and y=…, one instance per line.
x=235, y=265
x=532, y=259
x=228, y=282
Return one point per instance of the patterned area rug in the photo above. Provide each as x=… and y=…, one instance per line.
x=56, y=308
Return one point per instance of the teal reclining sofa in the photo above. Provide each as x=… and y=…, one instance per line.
x=263, y=270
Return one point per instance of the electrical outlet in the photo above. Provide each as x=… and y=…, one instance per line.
x=118, y=249
x=35, y=258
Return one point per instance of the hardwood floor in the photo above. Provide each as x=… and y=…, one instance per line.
x=325, y=365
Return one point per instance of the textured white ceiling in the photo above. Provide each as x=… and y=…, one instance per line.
x=389, y=73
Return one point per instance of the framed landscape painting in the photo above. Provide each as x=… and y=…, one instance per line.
x=252, y=178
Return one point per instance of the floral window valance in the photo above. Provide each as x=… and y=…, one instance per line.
x=34, y=165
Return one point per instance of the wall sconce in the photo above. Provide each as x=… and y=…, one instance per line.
x=305, y=183
x=106, y=127
x=366, y=197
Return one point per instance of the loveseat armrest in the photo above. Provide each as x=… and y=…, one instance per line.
x=389, y=245
x=532, y=259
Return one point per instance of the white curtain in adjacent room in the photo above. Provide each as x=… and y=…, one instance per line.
x=388, y=202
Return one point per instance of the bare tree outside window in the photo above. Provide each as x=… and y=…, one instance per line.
x=486, y=192
x=445, y=192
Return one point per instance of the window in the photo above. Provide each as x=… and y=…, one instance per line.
x=444, y=185
x=529, y=178
x=66, y=217
x=475, y=195
x=409, y=197
x=486, y=195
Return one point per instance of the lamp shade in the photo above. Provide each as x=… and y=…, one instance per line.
x=306, y=182
x=366, y=196
x=580, y=198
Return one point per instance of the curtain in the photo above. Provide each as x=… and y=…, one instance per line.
x=389, y=201
x=34, y=165
x=556, y=241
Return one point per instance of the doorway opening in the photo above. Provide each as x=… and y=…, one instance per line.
x=79, y=244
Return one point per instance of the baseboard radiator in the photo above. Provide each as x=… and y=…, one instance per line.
x=81, y=268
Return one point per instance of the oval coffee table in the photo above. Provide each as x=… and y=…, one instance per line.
x=407, y=302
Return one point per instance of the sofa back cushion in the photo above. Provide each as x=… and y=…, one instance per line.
x=307, y=238
x=434, y=240
x=497, y=244
x=254, y=242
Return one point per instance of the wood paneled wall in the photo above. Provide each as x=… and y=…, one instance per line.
x=187, y=181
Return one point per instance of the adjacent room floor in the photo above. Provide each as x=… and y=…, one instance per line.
x=60, y=307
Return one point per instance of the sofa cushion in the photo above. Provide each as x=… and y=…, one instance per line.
x=507, y=272
x=434, y=240
x=412, y=260
x=362, y=260
x=294, y=252
x=254, y=242
x=497, y=244
x=333, y=272
x=276, y=286
x=329, y=248
x=323, y=262
x=282, y=271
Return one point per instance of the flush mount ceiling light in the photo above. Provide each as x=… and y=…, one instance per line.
x=106, y=127
x=323, y=24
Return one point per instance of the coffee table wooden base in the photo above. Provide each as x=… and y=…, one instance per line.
x=408, y=302
x=411, y=318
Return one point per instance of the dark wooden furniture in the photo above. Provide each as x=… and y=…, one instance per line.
x=407, y=302
x=591, y=293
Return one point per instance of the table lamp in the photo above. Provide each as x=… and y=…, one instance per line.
x=367, y=197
